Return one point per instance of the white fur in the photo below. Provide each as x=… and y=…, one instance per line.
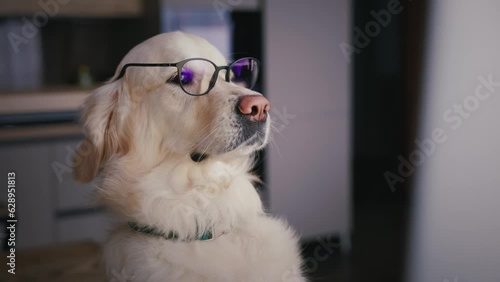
x=140, y=132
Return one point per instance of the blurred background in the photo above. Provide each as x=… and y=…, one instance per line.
x=385, y=157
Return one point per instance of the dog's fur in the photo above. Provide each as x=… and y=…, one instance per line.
x=140, y=132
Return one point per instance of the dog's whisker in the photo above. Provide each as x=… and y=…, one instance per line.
x=202, y=132
x=206, y=137
x=276, y=129
x=211, y=141
x=273, y=142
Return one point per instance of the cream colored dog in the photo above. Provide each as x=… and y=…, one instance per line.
x=175, y=167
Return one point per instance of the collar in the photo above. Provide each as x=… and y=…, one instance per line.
x=171, y=235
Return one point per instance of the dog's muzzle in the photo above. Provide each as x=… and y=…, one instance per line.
x=253, y=112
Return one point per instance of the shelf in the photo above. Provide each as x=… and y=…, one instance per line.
x=73, y=8
x=62, y=99
x=36, y=133
x=241, y=5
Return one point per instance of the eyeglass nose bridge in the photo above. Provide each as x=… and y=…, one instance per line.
x=216, y=75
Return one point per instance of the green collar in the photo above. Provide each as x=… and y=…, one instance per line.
x=172, y=235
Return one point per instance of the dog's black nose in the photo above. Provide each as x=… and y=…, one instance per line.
x=254, y=106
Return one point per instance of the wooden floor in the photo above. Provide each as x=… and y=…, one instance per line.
x=76, y=262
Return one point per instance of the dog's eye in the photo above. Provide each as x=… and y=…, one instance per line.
x=174, y=79
x=185, y=78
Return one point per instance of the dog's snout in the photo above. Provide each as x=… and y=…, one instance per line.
x=254, y=106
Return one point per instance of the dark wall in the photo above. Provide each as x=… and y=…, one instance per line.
x=385, y=104
x=379, y=122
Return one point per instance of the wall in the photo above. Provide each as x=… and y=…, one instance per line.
x=307, y=82
x=456, y=230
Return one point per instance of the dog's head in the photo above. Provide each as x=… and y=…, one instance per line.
x=150, y=111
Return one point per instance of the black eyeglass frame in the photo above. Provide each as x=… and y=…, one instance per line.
x=180, y=64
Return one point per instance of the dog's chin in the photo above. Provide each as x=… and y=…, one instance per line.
x=256, y=142
x=254, y=137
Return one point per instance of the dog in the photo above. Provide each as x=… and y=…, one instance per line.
x=172, y=161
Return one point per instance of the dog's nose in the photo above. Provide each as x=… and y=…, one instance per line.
x=254, y=106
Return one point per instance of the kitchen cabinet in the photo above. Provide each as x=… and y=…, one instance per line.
x=51, y=207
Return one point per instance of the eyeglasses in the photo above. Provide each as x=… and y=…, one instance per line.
x=197, y=76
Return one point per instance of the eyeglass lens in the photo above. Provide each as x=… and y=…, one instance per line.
x=244, y=72
x=196, y=75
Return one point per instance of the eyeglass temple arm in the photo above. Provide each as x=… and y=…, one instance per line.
x=124, y=68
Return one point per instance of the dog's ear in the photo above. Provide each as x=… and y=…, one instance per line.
x=102, y=120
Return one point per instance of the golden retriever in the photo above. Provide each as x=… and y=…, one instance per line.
x=173, y=163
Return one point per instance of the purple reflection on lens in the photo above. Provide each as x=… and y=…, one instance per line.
x=186, y=76
x=237, y=68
